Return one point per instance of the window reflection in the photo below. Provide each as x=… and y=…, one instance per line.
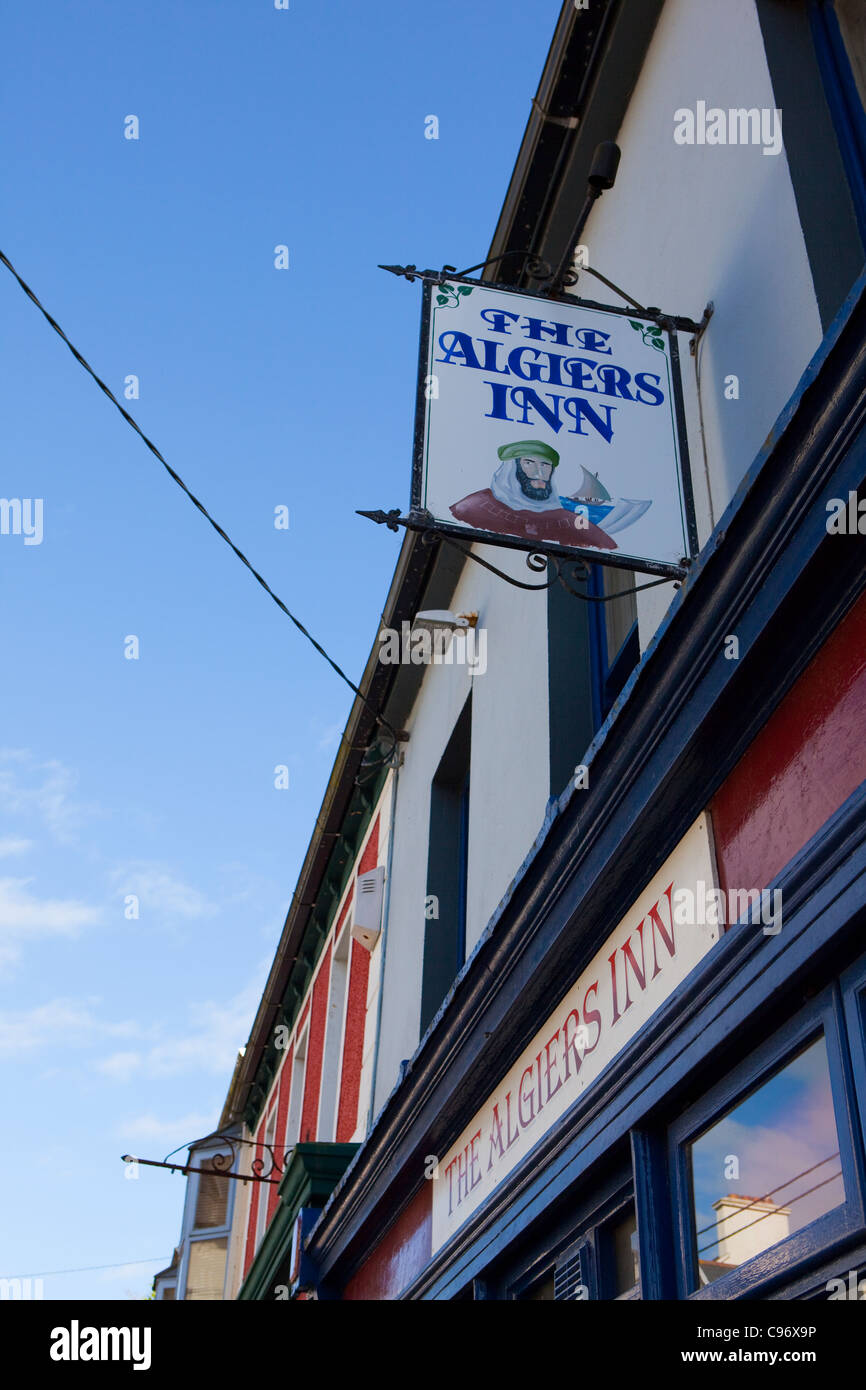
x=768, y=1168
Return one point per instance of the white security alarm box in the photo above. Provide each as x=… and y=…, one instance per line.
x=367, y=911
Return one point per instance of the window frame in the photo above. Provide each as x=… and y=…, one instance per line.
x=196, y=1231
x=823, y=1014
x=852, y=984
x=608, y=678
x=843, y=100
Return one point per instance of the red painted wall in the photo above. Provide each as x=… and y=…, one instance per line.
x=356, y=1015
x=317, y=1009
x=285, y=1084
x=253, y=1210
x=400, y=1256
x=315, y=1048
x=809, y=757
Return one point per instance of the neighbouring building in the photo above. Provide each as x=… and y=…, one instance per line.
x=570, y=1001
x=197, y=1269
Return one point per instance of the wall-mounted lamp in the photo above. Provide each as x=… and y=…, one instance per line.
x=602, y=175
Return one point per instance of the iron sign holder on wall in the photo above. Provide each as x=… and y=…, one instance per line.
x=222, y=1163
x=570, y=563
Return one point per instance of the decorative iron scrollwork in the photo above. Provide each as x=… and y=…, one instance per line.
x=269, y=1168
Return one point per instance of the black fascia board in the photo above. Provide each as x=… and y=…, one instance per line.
x=594, y=63
x=769, y=573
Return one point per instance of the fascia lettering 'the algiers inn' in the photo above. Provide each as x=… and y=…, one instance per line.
x=570, y=1001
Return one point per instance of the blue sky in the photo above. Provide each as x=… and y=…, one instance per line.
x=264, y=388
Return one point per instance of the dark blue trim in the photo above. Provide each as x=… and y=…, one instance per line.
x=463, y=873
x=607, y=681
x=655, y=1220
x=853, y=984
x=843, y=99
x=597, y=647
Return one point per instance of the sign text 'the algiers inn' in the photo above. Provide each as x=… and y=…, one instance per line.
x=639, y=965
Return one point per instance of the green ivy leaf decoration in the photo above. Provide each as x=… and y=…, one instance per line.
x=450, y=295
x=651, y=334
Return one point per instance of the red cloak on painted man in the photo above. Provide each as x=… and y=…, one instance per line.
x=522, y=501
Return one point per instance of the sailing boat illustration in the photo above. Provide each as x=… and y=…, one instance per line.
x=593, y=501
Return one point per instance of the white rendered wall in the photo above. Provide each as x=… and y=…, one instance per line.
x=509, y=783
x=685, y=224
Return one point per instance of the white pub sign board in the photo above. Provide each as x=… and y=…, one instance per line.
x=648, y=955
x=550, y=422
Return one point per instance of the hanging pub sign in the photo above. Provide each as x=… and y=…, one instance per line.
x=551, y=424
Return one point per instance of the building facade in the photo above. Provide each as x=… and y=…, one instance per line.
x=197, y=1270
x=604, y=1034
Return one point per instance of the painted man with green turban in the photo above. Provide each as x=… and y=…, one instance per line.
x=522, y=501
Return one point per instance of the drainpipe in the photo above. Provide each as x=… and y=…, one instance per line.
x=384, y=938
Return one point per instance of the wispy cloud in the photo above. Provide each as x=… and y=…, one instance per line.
x=67, y=1022
x=12, y=845
x=43, y=790
x=210, y=1044
x=161, y=892
x=24, y=916
x=149, y=1127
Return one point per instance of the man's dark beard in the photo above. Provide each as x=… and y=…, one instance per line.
x=540, y=494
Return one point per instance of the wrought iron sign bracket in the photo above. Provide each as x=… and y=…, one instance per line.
x=570, y=565
x=541, y=271
x=223, y=1163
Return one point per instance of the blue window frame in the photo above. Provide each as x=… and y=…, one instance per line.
x=771, y=1066
x=853, y=985
x=613, y=635
x=845, y=98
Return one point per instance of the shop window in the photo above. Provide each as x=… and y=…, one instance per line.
x=765, y=1161
x=602, y=1263
x=767, y=1168
x=620, y=1255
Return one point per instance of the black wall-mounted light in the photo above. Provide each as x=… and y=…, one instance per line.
x=602, y=176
